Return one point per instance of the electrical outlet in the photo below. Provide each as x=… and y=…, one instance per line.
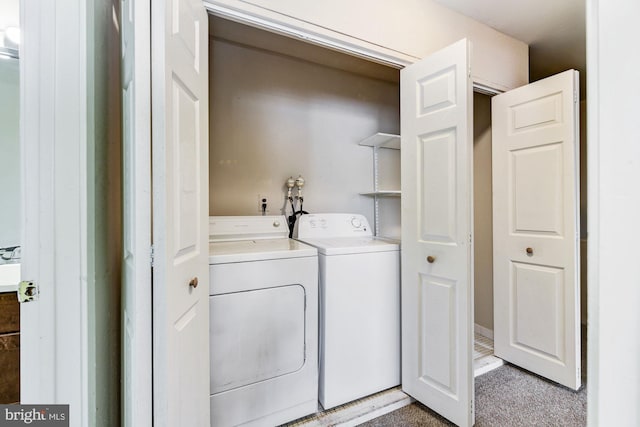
x=263, y=204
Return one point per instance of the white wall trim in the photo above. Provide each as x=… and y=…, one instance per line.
x=485, y=332
x=53, y=88
x=274, y=22
x=593, y=341
x=288, y=26
x=613, y=212
x=137, y=286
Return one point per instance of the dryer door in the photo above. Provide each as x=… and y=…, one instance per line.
x=256, y=335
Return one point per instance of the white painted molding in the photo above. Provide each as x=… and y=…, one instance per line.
x=485, y=332
x=53, y=134
x=613, y=212
x=288, y=26
x=359, y=411
x=593, y=333
x=137, y=301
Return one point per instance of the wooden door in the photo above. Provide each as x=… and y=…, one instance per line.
x=437, y=299
x=536, y=227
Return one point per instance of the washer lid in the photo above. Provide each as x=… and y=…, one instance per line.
x=353, y=245
x=258, y=250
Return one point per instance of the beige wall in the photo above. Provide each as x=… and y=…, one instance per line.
x=583, y=212
x=104, y=187
x=274, y=116
x=413, y=28
x=483, y=217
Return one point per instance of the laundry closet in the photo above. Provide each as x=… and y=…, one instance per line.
x=281, y=108
x=284, y=111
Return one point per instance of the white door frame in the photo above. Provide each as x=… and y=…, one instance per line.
x=613, y=377
x=53, y=134
x=137, y=315
x=281, y=24
x=320, y=36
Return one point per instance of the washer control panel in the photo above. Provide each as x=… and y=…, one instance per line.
x=356, y=222
x=332, y=225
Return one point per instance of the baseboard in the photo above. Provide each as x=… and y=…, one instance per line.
x=485, y=332
x=486, y=364
x=378, y=412
x=357, y=412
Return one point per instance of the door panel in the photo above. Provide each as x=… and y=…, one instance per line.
x=437, y=318
x=537, y=292
x=540, y=211
x=180, y=213
x=438, y=186
x=535, y=223
x=437, y=308
x=184, y=154
x=136, y=296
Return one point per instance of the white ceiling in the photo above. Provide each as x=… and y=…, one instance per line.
x=553, y=29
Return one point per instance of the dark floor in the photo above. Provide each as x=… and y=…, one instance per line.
x=509, y=397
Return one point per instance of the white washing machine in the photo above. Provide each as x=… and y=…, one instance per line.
x=359, y=306
x=263, y=323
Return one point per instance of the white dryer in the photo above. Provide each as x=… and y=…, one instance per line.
x=263, y=323
x=359, y=306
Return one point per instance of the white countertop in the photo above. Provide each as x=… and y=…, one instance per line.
x=9, y=277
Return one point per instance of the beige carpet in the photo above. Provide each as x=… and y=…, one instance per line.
x=507, y=396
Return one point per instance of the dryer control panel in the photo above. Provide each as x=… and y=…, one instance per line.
x=332, y=225
x=232, y=228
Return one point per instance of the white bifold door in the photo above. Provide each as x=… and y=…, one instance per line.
x=535, y=205
x=179, y=85
x=535, y=143
x=436, y=124
x=166, y=205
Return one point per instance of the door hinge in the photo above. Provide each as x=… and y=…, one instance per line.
x=471, y=406
x=27, y=291
x=152, y=254
x=575, y=96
